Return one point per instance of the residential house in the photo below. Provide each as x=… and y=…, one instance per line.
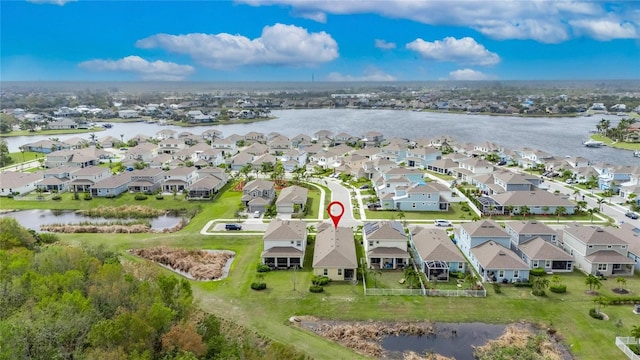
x=143, y=152
x=538, y=202
x=108, y=142
x=170, y=146
x=418, y=197
x=128, y=114
x=372, y=138
x=146, y=180
x=111, y=186
x=77, y=158
x=293, y=159
x=476, y=233
x=496, y=263
x=228, y=146
x=385, y=245
x=18, y=182
x=334, y=254
x=470, y=167
x=598, y=250
x=292, y=199
x=257, y=149
x=631, y=234
x=82, y=179
x=539, y=253
x=258, y=195
x=46, y=146
x=285, y=243
x=239, y=161
x=422, y=157
x=435, y=254
x=278, y=144
x=62, y=124
x=166, y=134
x=179, y=179
x=521, y=232
x=206, y=187
x=254, y=136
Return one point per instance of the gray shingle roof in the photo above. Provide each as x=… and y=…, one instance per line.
x=492, y=255
x=335, y=248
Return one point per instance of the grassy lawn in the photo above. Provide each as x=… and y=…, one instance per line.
x=617, y=145
x=50, y=132
x=19, y=157
x=313, y=201
x=440, y=176
x=546, y=218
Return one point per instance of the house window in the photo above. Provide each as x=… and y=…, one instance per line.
x=413, y=205
x=515, y=273
x=501, y=273
x=623, y=246
x=370, y=243
x=590, y=246
x=547, y=264
x=535, y=263
x=460, y=266
x=602, y=267
x=609, y=246
x=325, y=272
x=298, y=243
x=291, y=242
x=339, y=272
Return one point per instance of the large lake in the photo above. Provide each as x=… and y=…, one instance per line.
x=558, y=136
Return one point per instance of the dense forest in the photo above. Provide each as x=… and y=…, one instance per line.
x=63, y=302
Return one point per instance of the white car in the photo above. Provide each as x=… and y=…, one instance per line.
x=440, y=222
x=256, y=214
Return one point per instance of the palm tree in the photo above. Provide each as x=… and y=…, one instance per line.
x=631, y=197
x=524, y=210
x=581, y=205
x=576, y=192
x=635, y=332
x=600, y=202
x=471, y=279
x=591, y=212
x=411, y=276
x=560, y=210
x=374, y=275
x=622, y=282
x=593, y=282
x=509, y=209
x=539, y=284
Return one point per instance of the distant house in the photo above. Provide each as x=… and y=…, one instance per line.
x=258, y=195
x=285, y=243
x=436, y=254
x=46, y=146
x=334, y=253
x=292, y=199
x=385, y=245
x=206, y=187
x=179, y=179
x=18, y=182
x=598, y=250
x=82, y=179
x=112, y=186
x=470, y=235
x=496, y=263
x=538, y=253
x=62, y=124
x=146, y=180
x=128, y=114
x=538, y=202
x=521, y=232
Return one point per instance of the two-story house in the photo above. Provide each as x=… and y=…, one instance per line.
x=258, y=195
x=82, y=179
x=179, y=179
x=385, y=245
x=598, y=250
x=422, y=157
x=146, y=180
x=111, y=186
x=334, y=254
x=470, y=167
x=418, y=197
x=285, y=243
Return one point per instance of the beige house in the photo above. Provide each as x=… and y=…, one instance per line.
x=290, y=197
x=285, y=242
x=335, y=253
x=385, y=245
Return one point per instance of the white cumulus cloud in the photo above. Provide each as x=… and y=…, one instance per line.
x=147, y=70
x=469, y=74
x=54, y=2
x=464, y=51
x=546, y=21
x=278, y=45
x=604, y=29
x=369, y=74
x=384, y=45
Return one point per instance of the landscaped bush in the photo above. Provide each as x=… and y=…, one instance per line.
x=258, y=286
x=87, y=196
x=496, y=288
x=538, y=292
x=319, y=280
x=48, y=238
x=262, y=268
x=110, y=196
x=141, y=197
x=316, y=289
x=56, y=197
x=159, y=197
x=595, y=314
x=523, y=284
x=537, y=272
x=558, y=289
x=623, y=300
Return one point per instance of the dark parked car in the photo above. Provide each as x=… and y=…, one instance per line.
x=631, y=215
x=365, y=186
x=232, y=227
x=502, y=162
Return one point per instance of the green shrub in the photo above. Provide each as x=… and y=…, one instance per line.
x=87, y=196
x=623, y=300
x=558, y=289
x=141, y=197
x=262, y=268
x=258, y=286
x=48, y=238
x=159, y=197
x=316, y=289
x=110, y=196
x=523, y=284
x=595, y=314
x=496, y=288
x=319, y=280
x=537, y=272
x=538, y=292
x=56, y=197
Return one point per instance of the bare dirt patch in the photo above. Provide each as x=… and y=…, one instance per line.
x=194, y=264
x=523, y=339
x=620, y=291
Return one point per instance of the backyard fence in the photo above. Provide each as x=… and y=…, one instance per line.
x=387, y=292
x=622, y=342
x=457, y=293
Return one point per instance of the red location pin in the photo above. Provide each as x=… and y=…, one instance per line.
x=335, y=217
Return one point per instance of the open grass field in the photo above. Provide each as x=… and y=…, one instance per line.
x=455, y=213
x=617, y=145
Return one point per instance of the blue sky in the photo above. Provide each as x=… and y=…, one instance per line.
x=293, y=40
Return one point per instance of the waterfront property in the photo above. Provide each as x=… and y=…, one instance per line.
x=385, y=245
x=285, y=243
x=435, y=254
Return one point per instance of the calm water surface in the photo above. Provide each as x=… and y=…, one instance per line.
x=33, y=219
x=558, y=136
